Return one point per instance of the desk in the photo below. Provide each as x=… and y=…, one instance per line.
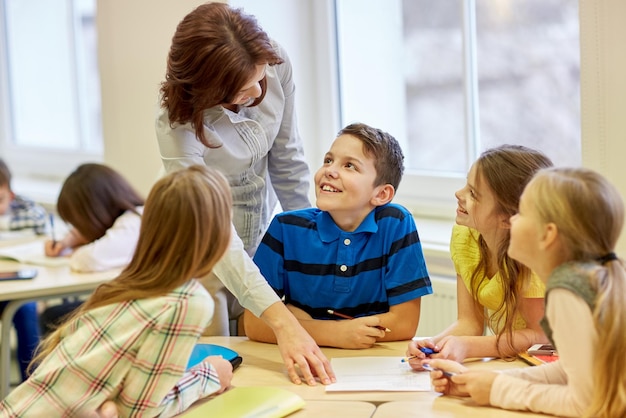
x=51, y=282
x=263, y=366
x=445, y=406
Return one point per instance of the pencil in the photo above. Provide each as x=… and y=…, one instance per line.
x=54, y=241
x=340, y=315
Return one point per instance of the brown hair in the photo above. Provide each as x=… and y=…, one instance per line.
x=384, y=148
x=214, y=53
x=93, y=196
x=5, y=174
x=185, y=230
x=589, y=215
x=506, y=170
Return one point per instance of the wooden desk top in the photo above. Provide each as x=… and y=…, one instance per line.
x=263, y=366
x=445, y=407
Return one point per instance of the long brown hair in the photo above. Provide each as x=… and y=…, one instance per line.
x=589, y=215
x=506, y=170
x=214, y=53
x=185, y=230
x=93, y=196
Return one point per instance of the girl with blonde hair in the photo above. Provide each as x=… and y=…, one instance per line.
x=131, y=340
x=566, y=230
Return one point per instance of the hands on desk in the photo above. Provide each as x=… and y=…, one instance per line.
x=475, y=384
x=298, y=348
x=450, y=347
x=353, y=333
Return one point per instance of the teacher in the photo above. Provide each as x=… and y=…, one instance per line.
x=228, y=102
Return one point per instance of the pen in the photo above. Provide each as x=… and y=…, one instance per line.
x=425, y=350
x=340, y=315
x=54, y=241
x=432, y=369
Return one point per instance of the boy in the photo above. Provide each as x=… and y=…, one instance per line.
x=16, y=212
x=356, y=254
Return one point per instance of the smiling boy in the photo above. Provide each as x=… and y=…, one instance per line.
x=356, y=253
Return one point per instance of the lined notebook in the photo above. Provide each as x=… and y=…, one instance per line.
x=202, y=351
x=32, y=253
x=249, y=402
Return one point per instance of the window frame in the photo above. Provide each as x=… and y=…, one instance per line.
x=38, y=162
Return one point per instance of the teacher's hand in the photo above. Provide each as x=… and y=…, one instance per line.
x=297, y=347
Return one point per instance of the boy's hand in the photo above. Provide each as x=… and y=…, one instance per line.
x=358, y=332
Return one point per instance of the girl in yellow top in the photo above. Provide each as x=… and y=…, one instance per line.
x=493, y=290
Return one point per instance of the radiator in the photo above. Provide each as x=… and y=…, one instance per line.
x=438, y=309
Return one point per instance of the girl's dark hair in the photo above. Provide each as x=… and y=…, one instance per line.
x=214, y=53
x=93, y=197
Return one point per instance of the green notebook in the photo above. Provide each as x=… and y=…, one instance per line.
x=249, y=402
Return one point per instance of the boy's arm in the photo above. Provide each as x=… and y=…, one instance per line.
x=402, y=319
x=256, y=329
x=346, y=333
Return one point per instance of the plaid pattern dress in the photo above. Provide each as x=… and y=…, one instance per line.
x=133, y=352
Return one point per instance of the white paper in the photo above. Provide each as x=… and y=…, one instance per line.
x=377, y=374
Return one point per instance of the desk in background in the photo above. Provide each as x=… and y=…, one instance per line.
x=51, y=282
x=263, y=366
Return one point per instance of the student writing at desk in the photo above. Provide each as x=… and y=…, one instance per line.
x=104, y=212
x=566, y=230
x=17, y=213
x=356, y=254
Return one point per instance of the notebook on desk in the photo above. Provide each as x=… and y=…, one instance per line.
x=202, y=351
x=249, y=402
x=31, y=253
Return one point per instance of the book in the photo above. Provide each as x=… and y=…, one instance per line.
x=249, y=402
x=538, y=359
x=32, y=253
x=202, y=351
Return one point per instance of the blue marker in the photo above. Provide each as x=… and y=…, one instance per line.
x=427, y=351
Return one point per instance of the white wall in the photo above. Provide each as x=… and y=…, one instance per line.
x=603, y=91
x=134, y=38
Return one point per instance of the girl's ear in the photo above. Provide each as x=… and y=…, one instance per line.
x=383, y=195
x=549, y=236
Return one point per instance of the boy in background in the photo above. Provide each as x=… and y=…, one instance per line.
x=17, y=212
x=356, y=255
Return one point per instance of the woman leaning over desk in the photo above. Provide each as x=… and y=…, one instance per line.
x=228, y=102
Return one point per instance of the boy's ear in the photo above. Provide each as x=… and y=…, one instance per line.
x=383, y=195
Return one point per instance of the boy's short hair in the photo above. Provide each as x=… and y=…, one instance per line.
x=384, y=148
x=5, y=174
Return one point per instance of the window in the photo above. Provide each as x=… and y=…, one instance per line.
x=451, y=78
x=50, y=92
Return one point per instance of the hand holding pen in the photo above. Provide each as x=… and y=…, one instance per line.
x=340, y=315
x=443, y=374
